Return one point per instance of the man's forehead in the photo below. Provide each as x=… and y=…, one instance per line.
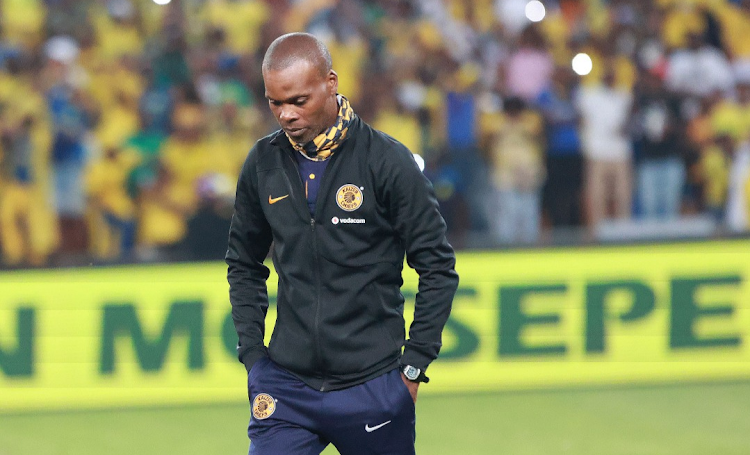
x=293, y=81
x=296, y=68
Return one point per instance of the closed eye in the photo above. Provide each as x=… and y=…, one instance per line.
x=295, y=101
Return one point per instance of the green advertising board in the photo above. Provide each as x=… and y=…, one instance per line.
x=142, y=335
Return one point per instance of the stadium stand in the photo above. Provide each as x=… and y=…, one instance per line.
x=124, y=123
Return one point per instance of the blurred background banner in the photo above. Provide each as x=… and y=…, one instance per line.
x=157, y=335
x=117, y=336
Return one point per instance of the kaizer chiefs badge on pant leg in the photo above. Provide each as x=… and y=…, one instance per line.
x=263, y=406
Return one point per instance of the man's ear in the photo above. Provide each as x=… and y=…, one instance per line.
x=333, y=82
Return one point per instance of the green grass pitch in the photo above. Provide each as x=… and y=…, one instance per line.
x=705, y=419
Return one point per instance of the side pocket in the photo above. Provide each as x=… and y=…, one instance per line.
x=252, y=375
x=405, y=392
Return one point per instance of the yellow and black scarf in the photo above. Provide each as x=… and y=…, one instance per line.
x=322, y=147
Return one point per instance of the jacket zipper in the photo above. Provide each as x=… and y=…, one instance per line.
x=318, y=349
x=318, y=210
x=316, y=271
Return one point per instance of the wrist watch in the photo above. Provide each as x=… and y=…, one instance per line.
x=414, y=374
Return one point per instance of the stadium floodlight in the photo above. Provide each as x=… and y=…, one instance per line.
x=162, y=2
x=535, y=11
x=582, y=64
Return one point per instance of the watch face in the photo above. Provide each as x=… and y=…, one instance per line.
x=411, y=373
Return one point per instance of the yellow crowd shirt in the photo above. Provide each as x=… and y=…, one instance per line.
x=402, y=127
x=516, y=153
x=115, y=39
x=728, y=117
x=116, y=125
x=240, y=20
x=23, y=21
x=735, y=27
x=349, y=57
x=106, y=182
x=714, y=167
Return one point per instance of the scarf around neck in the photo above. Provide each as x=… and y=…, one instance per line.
x=324, y=144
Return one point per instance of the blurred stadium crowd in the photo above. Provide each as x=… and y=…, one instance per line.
x=124, y=123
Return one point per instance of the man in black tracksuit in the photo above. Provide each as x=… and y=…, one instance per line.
x=342, y=204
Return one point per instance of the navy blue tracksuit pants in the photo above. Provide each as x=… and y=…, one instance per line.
x=291, y=418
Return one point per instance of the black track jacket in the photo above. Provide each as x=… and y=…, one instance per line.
x=339, y=305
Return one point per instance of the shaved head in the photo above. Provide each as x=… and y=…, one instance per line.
x=292, y=48
x=301, y=86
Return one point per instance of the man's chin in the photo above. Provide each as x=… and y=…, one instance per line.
x=299, y=136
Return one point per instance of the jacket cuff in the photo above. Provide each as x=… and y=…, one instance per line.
x=251, y=356
x=415, y=358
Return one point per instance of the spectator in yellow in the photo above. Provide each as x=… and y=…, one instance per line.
x=727, y=117
x=234, y=121
x=241, y=20
x=681, y=18
x=16, y=204
x=351, y=52
x=118, y=122
x=737, y=215
x=734, y=18
x=162, y=215
x=606, y=57
x=28, y=231
x=117, y=32
x=699, y=133
x=518, y=174
x=114, y=210
x=234, y=131
x=110, y=81
x=167, y=202
x=714, y=167
x=395, y=120
x=700, y=128
x=187, y=153
x=22, y=22
x=472, y=13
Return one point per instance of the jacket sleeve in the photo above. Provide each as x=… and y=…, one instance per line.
x=416, y=218
x=249, y=242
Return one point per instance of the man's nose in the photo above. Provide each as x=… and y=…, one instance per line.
x=287, y=114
